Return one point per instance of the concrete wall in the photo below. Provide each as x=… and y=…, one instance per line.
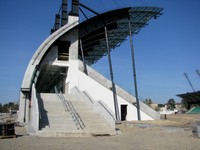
x=97, y=106
x=120, y=92
x=99, y=92
x=99, y=88
x=36, y=60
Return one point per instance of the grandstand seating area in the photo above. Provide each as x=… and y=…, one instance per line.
x=194, y=110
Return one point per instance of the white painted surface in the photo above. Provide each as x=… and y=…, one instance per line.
x=34, y=119
x=75, y=77
x=36, y=59
x=100, y=92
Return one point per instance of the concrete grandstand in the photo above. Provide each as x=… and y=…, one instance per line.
x=61, y=94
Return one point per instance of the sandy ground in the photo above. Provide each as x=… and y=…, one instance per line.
x=145, y=135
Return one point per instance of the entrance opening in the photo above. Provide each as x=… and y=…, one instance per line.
x=63, y=50
x=49, y=77
x=123, y=112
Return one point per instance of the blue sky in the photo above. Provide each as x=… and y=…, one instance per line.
x=164, y=50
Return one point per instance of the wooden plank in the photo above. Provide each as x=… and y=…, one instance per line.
x=8, y=136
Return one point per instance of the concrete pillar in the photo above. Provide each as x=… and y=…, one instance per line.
x=21, y=108
x=75, y=8
x=72, y=75
x=57, y=21
x=64, y=12
x=23, y=115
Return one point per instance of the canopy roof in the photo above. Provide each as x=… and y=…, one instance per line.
x=92, y=33
x=192, y=98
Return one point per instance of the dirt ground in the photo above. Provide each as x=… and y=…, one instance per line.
x=172, y=134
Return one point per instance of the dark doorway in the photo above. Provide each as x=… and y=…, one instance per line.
x=123, y=112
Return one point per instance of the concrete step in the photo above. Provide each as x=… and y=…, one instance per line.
x=58, y=122
x=61, y=127
x=75, y=133
x=57, y=113
x=58, y=125
x=54, y=121
x=54, y=116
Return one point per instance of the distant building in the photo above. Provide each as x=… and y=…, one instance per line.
x=154, y=106
x=179, y=106
x=191, y=98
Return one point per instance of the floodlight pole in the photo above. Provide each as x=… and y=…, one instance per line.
x=112, y=79
x=198, y=73
x=134, y=70
x=186, y=76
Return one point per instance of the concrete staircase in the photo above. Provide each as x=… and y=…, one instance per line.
x=95, y=124
x=99, y=78
x=57, y=122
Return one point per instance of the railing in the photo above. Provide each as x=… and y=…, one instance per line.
x=98, y=106
x=62, y=99
x=106, y=109
x=70, y=108
x=120, y=92
x=76, y=116
x=82, y=95
x=88, y=97
x=101, y=107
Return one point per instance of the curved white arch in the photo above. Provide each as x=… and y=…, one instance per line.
x=40, y=52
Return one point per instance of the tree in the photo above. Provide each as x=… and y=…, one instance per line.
x=171, y=104
x=184, y=104
x=6, y=107
x=1, y=107
x=148, y=102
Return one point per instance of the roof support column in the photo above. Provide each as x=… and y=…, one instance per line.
x=85, y=68
x=64, y=12
x=134, y=69
x=26, y=107
x=75, y=7
x=112, y=79
x=57, y=22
